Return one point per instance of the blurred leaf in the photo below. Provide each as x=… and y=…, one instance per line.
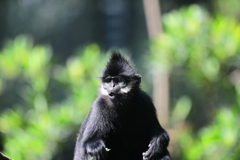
x=210, y=68
x=181, y=110
x=40, y=103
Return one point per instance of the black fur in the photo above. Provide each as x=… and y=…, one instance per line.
x=118, y=66
x=125, y=123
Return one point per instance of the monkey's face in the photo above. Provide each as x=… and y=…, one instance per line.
x=113, y=86
x=118, y=86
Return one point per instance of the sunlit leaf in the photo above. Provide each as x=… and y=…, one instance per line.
x=181, y=109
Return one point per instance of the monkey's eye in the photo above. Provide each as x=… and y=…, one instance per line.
x=107, y=80
x=119, y=79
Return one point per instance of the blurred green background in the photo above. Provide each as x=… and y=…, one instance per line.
x=53, y=52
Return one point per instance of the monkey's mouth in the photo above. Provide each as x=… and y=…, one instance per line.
x=112, y=95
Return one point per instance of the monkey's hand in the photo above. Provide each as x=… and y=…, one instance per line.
x=96, y=149
x=158, y=148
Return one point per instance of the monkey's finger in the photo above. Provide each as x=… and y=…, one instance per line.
x=150, y=153
x=97, y=157
x=147, y=155
x=166, y=158
x=103, y=154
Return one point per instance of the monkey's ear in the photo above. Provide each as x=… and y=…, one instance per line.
x=137, y=78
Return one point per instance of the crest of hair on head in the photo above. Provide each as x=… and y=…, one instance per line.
x=118, y=65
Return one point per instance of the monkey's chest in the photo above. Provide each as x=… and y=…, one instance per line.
x=129, y=140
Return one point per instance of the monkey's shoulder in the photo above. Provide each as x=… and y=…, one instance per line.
x=144, y=98
x=144, y=101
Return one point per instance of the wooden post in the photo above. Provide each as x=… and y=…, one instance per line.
x=160, y=78
x=153, y=18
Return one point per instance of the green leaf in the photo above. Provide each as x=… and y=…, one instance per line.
x=181, y=109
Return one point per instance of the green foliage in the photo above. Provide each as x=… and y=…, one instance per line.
x=201, y=52
x=220, y=140
x=54, y=98
x=229, y=8
x=192, y=39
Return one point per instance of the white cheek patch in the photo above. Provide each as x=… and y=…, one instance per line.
x=127, y=88
x=122, y=90
x=103, y=91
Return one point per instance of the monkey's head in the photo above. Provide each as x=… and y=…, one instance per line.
x=119, y=78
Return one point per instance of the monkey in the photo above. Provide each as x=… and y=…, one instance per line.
x=122, y=123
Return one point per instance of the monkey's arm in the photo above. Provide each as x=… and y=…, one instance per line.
x=80, y=153
x=158, y=146
x=159, y=138
x=89, y=142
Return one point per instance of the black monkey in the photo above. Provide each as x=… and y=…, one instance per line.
x=122, y=123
